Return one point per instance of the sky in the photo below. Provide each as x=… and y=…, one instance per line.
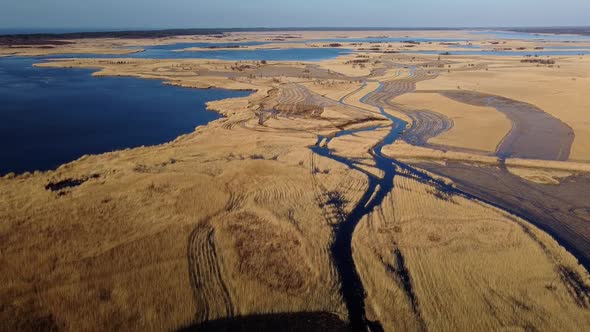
x=156, y=14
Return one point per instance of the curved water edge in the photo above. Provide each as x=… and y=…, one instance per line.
x=51, y=116
x=237, y=52
x=378, y=188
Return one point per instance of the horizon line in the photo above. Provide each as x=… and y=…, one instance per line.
x=77, y=30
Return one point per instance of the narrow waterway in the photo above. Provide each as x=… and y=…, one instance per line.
x=378, y=188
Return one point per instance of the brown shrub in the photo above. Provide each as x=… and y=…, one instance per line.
x=267, y=253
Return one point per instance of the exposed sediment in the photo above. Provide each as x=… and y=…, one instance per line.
x=534, y=134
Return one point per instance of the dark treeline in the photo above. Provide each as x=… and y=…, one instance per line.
x=201, y=31
x=58, y=38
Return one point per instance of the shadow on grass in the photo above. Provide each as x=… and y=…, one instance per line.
x=287, y=322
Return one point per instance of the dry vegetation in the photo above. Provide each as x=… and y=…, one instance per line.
x=152, y=243
x=558, y=91
x=431, y=260
x=474, y=127
x=197, y=229
x=237, y=218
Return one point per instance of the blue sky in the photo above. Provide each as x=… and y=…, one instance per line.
x=302, y=13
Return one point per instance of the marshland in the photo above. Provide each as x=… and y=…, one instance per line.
x=283, y=179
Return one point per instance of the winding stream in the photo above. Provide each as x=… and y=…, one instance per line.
x=377, y=190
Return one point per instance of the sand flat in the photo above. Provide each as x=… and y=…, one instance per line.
x=477, y=128
x=557, y=91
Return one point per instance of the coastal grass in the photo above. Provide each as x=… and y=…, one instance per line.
x=227, y=221
x=474, y=127
x=237, y=218
x=154, y=244
x=557, y=91
x=433, y=260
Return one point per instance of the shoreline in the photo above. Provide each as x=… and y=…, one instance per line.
x=94, y=73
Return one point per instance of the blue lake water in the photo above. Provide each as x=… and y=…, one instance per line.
x=52, y=116
x=292, y=54
x=169, y=52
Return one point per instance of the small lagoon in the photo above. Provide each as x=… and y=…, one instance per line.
x=235, y=54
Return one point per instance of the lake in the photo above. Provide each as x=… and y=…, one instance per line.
x=237, y=54
x=53, y=116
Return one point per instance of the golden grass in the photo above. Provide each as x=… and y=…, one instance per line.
x=354, y=99
x=173, y=72
x=119, y=242
x=343, y=65
x=333, y=89
x=228, y=220
x=474, y=128
x=549, y=164
x=405, y=151
x=235, y=219
x=539, y=175
x=463, y=260
x=557, y=91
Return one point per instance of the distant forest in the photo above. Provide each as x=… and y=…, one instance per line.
x=61, y=38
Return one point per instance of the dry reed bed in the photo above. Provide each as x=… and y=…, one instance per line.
x=232, y=219
x=149, y=242
x=237, y=218
x=435, y=261
x=333, y=89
